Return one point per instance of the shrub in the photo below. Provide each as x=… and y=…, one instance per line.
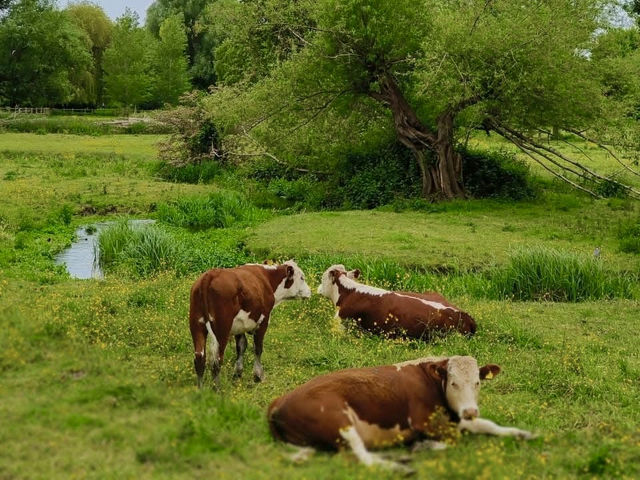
x=496, y=174
x=216, y=210
x=542, y=273
x=194, y=137
x=629, y=236
x=369, y=180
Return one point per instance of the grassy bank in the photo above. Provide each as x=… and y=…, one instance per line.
x=96, y=377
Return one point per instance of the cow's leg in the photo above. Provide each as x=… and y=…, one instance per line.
x=481, y=425
x=428, y=445
x=354, y=441
x=302, y=454
x=258, y=338
x=217, y=346
x=241, y=346
x=199, y=335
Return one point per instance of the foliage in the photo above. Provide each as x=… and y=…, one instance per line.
x=169, y=62
x=496, y=174
x=194, y=137
x=44, y=57
x=200, y=43
x=204, y=172
x=422, y=71
x=216, y=210
x=128, y=77
x=93, y=20
x=540, y=273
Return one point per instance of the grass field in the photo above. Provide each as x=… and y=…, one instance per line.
x=96, y=377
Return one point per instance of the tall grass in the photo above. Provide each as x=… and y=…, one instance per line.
x=78, y=126
x=542, y=273
x=216, y=210
x=145, y=249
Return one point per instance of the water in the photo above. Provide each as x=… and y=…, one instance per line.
x=82, y=257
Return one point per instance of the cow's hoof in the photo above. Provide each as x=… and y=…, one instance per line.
x=237, y=375
x=525, y=435
x=258, y=378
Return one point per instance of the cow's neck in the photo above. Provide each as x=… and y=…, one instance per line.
x=439, y=390
x=275, y=276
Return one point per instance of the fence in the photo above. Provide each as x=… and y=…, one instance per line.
x=32, y=110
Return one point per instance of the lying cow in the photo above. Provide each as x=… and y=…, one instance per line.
x=363, y=408
x=393, y=313
x=235, y=301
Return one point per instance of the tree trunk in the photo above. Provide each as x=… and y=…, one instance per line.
x=440, y=165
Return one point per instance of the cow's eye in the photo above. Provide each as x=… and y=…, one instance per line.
x=454, y=384
x=478, y=383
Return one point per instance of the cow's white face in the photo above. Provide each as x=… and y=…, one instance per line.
x=294, y=284
x=462, y=383
x=328, y=286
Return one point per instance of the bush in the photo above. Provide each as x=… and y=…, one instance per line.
x=194, y=137
x=629, y=236
x=542, y=273
x=496, y=174
x=216, y=210
x=372, y=179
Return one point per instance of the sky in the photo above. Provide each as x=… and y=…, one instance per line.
x=115, y=8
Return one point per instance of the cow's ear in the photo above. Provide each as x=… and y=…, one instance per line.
x=438, y=370
x=268, y=262
x=290, y=271
x=355, y=273
x=489, y=371
x=334, y=274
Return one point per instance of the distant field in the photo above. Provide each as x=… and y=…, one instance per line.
x=463, y=237
x=588, y=154
x=97, y=381
x=136, y=147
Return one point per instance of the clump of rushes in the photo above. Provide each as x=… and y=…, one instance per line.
x=216, y=210
x=542, y=273
x=146, y=249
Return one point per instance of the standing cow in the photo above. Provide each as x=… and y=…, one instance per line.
x=415, y=315
x=235, y=301
x=364, y=408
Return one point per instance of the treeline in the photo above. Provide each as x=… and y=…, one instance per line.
x=77, y=56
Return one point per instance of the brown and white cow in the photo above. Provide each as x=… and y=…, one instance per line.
x=364, y=408
x=416, y=315
x=233, y=301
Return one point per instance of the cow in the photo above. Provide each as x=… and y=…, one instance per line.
x=364, y=408
x=234, y=301
x=416, y=315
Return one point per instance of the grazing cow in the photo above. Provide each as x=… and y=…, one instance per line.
x=363, y=408
x=235, y=301
x=416, y=315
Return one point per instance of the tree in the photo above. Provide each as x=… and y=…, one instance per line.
x=199, y=41
x=429, y=69
x=171, y=77
x=41, y=54
x=98, y=27
x=128, y=77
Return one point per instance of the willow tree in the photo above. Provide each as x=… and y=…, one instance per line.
x=431, y=68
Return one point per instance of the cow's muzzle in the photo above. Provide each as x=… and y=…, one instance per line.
x=470, y=413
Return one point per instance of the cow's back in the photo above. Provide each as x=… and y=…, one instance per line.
x=244, y=287
x=314, y=413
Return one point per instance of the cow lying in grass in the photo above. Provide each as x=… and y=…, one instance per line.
x=416, y=315
x=235, y=301
x=365, y=408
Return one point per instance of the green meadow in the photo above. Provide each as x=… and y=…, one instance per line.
x=96, y=376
